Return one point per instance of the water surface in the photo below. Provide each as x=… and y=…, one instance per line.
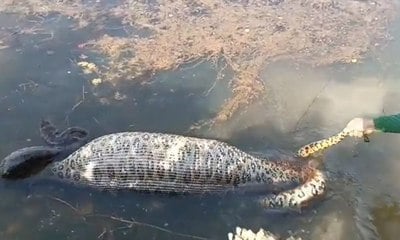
x=302, y=104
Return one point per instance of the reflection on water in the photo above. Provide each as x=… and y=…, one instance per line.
x=302, y=104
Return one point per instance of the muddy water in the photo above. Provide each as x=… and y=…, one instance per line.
x=303, y=104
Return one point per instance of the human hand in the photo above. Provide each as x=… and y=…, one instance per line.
x=360, y=127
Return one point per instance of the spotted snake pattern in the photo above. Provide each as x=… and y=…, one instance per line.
x=311, y=148
x=157, y=162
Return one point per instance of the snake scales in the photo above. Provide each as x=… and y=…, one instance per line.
x=157, y=162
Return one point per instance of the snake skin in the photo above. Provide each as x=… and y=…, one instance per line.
x=71, y=136
x=156, y=162
x=312, y=148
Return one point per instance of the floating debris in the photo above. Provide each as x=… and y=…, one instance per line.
x=88, y=67
x=3, y=45
x=119, y=97
x=246, y=35
x=83, y=56
x=96, y=81
x=247, y=234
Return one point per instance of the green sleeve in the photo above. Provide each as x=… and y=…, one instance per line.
x=389, y=124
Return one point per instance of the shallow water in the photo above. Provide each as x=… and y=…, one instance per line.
x=302, y=104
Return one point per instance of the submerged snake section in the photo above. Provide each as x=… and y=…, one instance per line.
x=157, y=162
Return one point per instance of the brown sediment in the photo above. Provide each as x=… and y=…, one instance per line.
x=245, y=34
x=247, y=87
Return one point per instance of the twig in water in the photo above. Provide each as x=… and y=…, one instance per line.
x=211, y=88
x=68, y=205
x=105, y=231
x=83, y=92
x=76, y=105
x=29, y=84
x=218, y=78
x=133, y=222
x=102, y=234
x=96, y=121
x=64, y=202
x=130, y=223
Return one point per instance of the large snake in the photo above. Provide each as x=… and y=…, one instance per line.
x=158, y=162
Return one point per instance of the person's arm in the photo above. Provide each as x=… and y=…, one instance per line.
x=360, y=127
x=388, y=124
